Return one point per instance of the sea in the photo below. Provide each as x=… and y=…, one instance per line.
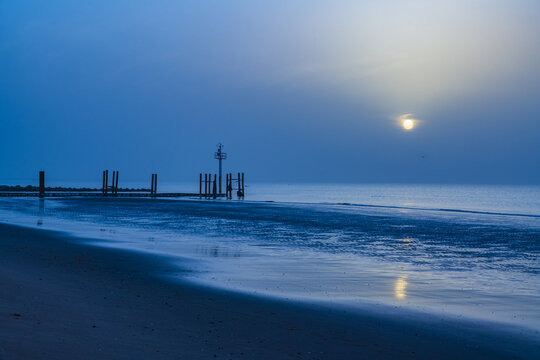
x=457, y=251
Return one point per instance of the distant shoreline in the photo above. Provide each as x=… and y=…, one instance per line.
x=32, y=188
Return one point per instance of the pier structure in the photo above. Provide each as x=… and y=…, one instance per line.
x=212, y=186
x=107, y=189
x=210, y=190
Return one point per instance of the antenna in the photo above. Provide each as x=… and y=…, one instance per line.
x=220, y=155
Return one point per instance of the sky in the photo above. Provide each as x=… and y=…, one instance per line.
x=297, y=91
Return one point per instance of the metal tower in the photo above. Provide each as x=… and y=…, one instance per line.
x=220, y=155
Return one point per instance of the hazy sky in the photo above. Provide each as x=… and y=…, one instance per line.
x=296, y=90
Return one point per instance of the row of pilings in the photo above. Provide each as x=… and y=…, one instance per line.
x=114, y=184
x=210, y=185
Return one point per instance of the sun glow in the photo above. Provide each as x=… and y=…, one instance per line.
x=408, y=124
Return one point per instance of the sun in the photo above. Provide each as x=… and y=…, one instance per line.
x=407, y=121
x=408, y=124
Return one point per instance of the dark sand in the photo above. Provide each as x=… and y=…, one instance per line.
x=62, y=300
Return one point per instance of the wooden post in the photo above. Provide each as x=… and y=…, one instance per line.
x=113, y=181
x=215, y=186
x=205, y=183
x=41, y=184
x=227, y=185
x=243, y=188
x=238, y=192
x=116, y=184
x=230, y=186
x=200, y=184
x=220, y=183
x=106, y=181
x=103, y=184
x=153, y=188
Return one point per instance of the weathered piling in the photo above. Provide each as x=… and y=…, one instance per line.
x=205, y=184
x=200, y=184
x=215, y=186
x=106, y=181
x=114, y=183
x=41, y=183
x=230, y=185
x=243, y=189
x=227, y=185
x=238, y=190
x=153, y=185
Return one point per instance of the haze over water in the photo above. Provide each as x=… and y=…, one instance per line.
x=303, y=91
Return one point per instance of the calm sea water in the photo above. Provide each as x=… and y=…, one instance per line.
x=470, y=251
x=491, y=198
x=494, y=198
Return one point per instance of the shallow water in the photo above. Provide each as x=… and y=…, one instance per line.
x=410, y=255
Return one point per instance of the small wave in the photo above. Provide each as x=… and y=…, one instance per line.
x=436, y=209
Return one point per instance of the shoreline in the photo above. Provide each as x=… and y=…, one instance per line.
x=65, y=300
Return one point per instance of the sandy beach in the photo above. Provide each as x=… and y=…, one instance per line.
x=63, y=300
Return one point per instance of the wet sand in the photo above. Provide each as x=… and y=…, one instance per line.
x=63, y=300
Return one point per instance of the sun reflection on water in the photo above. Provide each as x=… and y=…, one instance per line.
x=400, y=287
x=406, y=241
